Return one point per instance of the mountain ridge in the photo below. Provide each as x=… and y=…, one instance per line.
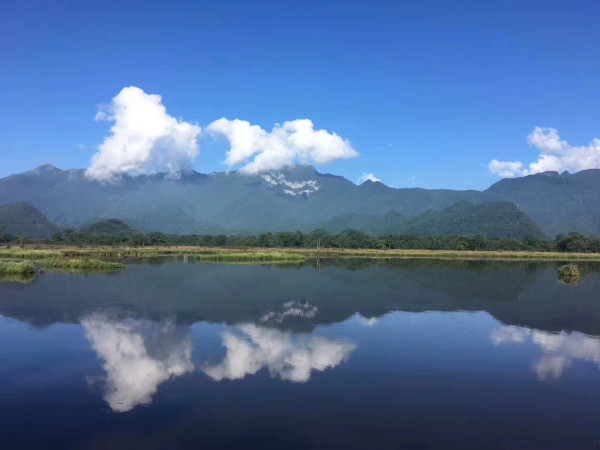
x=296, y=197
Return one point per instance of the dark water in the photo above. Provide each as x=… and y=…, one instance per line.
x=352, y=355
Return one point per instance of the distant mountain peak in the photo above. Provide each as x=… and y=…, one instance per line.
x=293, y=188
x=373, y=186
x=548, y=173
x=45, y=168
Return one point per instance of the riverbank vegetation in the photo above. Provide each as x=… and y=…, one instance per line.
x=16, y=268
x=80, y=264
x=124, y=236
x=103, y=257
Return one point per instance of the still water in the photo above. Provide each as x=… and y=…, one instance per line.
x=349, y=354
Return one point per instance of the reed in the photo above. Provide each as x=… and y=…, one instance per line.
x=16, y=268
x=80, y=264
x=282, y=254
x=251, y=257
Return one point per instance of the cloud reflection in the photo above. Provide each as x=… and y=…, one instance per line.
x=291, y=309
x=287, y=356
x=367, y=321
x=560, y=349
x=138, y=356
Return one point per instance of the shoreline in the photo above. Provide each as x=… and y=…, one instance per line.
x=274, y=255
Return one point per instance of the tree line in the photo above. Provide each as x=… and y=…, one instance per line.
x=350, y=239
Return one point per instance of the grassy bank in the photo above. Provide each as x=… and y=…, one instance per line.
x=274, y=255
x=279, y=257
x=453, y=254
x=80, y=264
x=16, y=268
x=29, y=254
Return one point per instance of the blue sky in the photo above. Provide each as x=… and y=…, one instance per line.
x=428, y=92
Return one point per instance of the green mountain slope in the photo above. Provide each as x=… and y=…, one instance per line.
x=493, y=219
x=109, y=226
x=22, y=219
x=560, y=203
x=296, y=198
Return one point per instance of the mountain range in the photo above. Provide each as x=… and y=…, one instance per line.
x=301, y=198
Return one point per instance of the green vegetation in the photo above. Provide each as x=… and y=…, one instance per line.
x=569, y=274
x=16, y=268
x=27, y=254
x=109, y=226
x=251, y=257
x=243, y=204
x=491, y=219
x=274, y=255
x=22, y=219
x=80, y=265
x=110, y=246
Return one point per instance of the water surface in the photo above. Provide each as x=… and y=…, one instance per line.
x=348, y=354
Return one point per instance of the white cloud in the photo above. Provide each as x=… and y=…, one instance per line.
x=287, y=356
x=292, y=142
x=555, y=155
x=367, y=176
x=559, y=349
x=506, y=169
x=144, y=138
x=138, y=356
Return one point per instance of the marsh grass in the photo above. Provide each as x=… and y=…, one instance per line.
x=29, y=254
x=251, y=257
x=281, y=255
x=80, y=265
x=16, y=268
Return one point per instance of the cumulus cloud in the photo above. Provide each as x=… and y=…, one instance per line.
x=367, y=176
x=144, y=139
x=507, y=169
x=555, y=155
x=138, y=356
x=287, y=356
x=559, y=350
x=292, y=142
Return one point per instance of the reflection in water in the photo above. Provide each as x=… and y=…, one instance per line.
x=290, y=309
x=367, y=321
x=138, y=356
x=291, y=357
x=560, y=349
x=17, y=278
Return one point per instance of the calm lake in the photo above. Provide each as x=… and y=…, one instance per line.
x=350, y=354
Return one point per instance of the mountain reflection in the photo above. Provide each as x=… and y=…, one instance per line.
x=289, y=356
x=559, y=349
x=138, y=356
x=291, y=309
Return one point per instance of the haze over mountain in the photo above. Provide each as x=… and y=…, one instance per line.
x=300, y=198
